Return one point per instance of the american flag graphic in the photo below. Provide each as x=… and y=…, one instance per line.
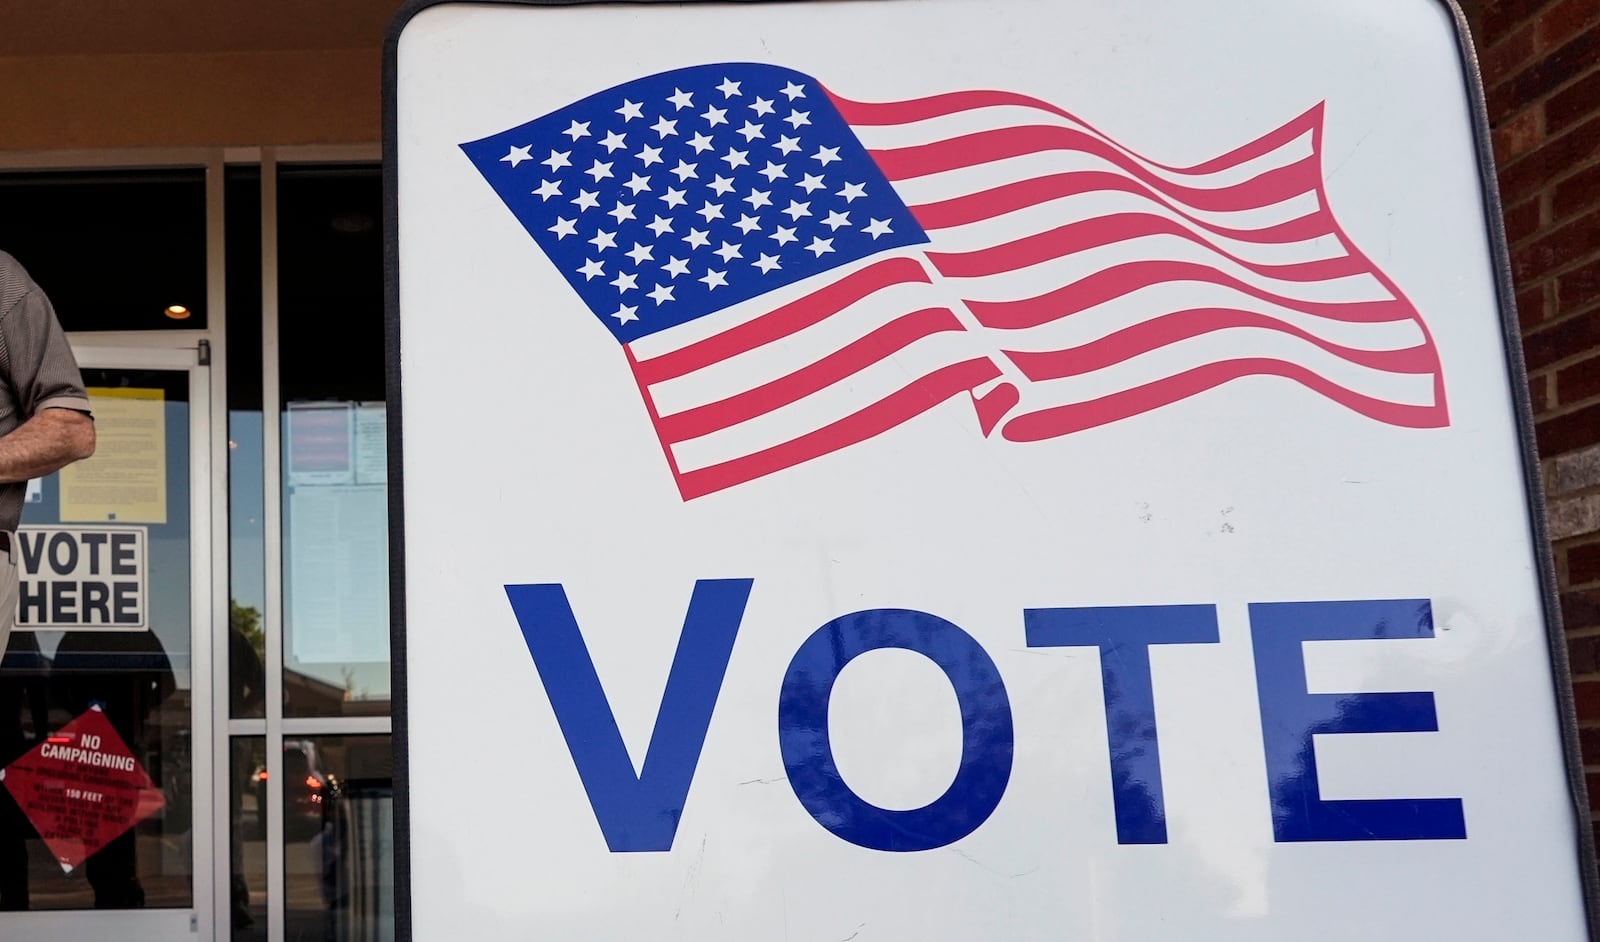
x=790, y=272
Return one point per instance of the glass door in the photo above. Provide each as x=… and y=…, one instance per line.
x=105, y=691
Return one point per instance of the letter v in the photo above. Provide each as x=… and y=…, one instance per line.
x=636, y=812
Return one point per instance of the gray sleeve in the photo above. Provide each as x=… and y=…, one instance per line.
x=36, y=361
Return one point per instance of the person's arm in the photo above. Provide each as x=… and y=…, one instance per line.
x=45, y=444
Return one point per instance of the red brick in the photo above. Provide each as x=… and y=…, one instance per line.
x=1522, y=220
x=1564, y=20
x=1563, y=433
x=1577, y=193
x=1520, y=178
x=1579, y=381
x=1592, y=780
x=1539, y=394
x=1505, y=57
x=1586, y=697
x=1561, y=340
x=1583, y=657
x=1573, y=103
x=1519, y=135
x=1570, y=243
x=1578, y=289
x=1502, y=16
x=1580, y=608
x=1531, y=307
x=1583, y=565
x=1589, y=744
x=1554, y=69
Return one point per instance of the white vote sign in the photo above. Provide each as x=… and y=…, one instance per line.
x=943, y=470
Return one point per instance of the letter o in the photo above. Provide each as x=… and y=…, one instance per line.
x=71, y=564
x=987, y=737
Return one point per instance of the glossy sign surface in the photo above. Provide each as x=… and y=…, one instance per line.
x=944, y=470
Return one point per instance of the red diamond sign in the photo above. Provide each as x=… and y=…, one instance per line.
x=81, y=789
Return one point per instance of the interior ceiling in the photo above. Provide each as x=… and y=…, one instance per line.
x=123, y=27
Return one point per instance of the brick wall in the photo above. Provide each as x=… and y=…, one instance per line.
x=1541, y=71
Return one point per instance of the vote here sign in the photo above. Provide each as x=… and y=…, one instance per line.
x=936, y=470
x=81, y=578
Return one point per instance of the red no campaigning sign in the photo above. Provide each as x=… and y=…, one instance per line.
x=81, y=789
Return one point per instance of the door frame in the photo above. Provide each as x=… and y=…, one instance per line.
x=207, y=682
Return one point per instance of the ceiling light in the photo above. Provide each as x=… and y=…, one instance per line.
x=178, y=312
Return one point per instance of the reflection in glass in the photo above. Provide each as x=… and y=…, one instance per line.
x=338, y=806
x=247, y=838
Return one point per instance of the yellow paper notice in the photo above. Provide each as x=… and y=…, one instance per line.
x=126, y=480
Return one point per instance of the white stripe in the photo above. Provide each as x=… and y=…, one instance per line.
x=1102, y=320
x=1237, y=343
x=948, y=127
x=770, y=361
x=826, y=406
x=1047, y=276
x=998, y=230
x=964, y=181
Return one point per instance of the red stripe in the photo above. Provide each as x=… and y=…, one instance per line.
x=896, y=408
x=880, y=114
x=783, y=321
x=987, y=204
x=1075, y=417
x=1109, y=230
x=1168, y=329
x=1113, y=283
x=879, y=345
x=969, y=150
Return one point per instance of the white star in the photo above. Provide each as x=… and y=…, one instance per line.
x=878, y=227
x=625, y=313
x=664, y=127
x=797, y=118
x=729, y=88
x=590, y=268
x=787, y=145
x=640, y=254
x=624, y=282
x=820, y=246
x=685, y=170
x=638, y=184
x=516, y=155
x=564, y=228
x=784, y=235
x=751, y=131
x=673, y=197
x=680, y=99
x=660, y=226
x=736, y=158
x=614, y=141
x=577, y=130
x=836, y=219
x=710, y=211
x=697, y=238
x=811, y=183
x=797, y=209
x=676, y=266
x=600, y=170
x=722, y=185
x=547, y=189
x=762, y=106
x=557, y=160
x=630, y=110
x=827, y=155
x=759, y=198
x=773, y=171
x=728, y=252
x=715, y=116
x=852, y=192
x=793, y=91
x=622, y=212
x=586, y=200
x=700, y=143
x=661, y=293
x=714, y=279
x=649, y=155
x=766, y=263
x=603, y=240
x=748, y=223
